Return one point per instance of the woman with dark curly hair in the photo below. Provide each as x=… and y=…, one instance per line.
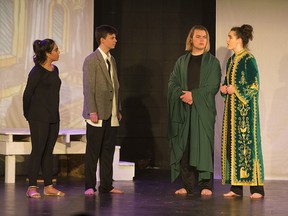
x=242, y=161
x=41, y=110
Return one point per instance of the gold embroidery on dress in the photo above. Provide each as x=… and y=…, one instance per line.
x=244, y=169
x=244, y=141
x=242, y=80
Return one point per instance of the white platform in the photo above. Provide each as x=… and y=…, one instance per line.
x=70, y=141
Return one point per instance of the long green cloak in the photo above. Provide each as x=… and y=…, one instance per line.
x=197, y=119
x=241, y=125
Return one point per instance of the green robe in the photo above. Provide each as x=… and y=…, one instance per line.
x=241, y=139
x=197, y=119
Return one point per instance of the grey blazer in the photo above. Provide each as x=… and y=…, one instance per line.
x=98, y=88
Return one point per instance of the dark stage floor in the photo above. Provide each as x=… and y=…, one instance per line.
x=151, y=193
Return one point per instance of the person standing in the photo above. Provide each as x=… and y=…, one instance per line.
x=101, y=111
x=192, y=87
x=242, y=161
x=41, y=110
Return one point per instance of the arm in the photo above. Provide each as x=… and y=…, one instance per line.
x=248, y=84
x=89, y=90
x=33, y=80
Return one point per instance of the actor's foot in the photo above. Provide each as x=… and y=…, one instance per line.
x=206, y=192
x=32, y=192
x=89, y=192
x=116, y=191
x=231, y=194
x=51, y=191
x=181, y=191
x=256, y=196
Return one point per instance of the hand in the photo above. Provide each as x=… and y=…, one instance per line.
x=119, y=116
x=94, y=117
x=230, y=89
x=186, y=97
x=223, y=88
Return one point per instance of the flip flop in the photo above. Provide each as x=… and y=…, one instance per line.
x=33, y=194
x=57, y=193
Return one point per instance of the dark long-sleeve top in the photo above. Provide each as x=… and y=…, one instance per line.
x=41, y=95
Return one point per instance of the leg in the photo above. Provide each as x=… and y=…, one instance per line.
x=47, y=159
x=205, y=186
x=187, y=174
x=93, y=147
x=39, y=134
x=235, y=191
x=106, y=158
x=257, y=192
x=10, y=167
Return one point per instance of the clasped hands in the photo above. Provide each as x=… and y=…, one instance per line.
x=186, y=97
x=227, y=89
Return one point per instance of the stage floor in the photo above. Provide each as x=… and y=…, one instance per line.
x=151, y=193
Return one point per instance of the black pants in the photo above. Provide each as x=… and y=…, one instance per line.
x=253, y=189
x=189, y=174
x=100, y=146
x=43, y=138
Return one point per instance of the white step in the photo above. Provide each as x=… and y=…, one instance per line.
x=122, y=170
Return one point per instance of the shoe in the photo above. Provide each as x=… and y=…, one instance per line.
x=54, y=192
x=32, y=192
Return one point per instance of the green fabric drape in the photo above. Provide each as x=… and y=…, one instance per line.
x=197, y=119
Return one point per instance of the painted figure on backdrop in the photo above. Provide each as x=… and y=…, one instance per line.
x=41, y=110
x=192, y=87
x=101, y=111
x=242, y=161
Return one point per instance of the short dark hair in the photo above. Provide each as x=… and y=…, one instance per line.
x=102, y=32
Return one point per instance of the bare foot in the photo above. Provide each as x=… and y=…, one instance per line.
x=116, y=191
x=256, y=196
x=181, y=191
x=89, y=192
x=206, y=192
x=231, y=194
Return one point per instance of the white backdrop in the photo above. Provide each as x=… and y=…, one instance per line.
x=269, y=19
x=70, y=24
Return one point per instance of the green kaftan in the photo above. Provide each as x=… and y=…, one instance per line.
x=242, y=162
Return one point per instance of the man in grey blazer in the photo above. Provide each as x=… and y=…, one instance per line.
x=101, y=111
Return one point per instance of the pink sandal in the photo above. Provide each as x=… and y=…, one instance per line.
x=32, y=192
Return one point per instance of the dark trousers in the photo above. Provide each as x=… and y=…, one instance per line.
x=43, y=138
x=189, y=174
x=100, y=146
x=253, y=189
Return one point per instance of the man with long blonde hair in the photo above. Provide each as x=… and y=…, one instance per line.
x=192, y=87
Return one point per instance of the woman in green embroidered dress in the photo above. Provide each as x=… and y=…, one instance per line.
x=242, y=161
